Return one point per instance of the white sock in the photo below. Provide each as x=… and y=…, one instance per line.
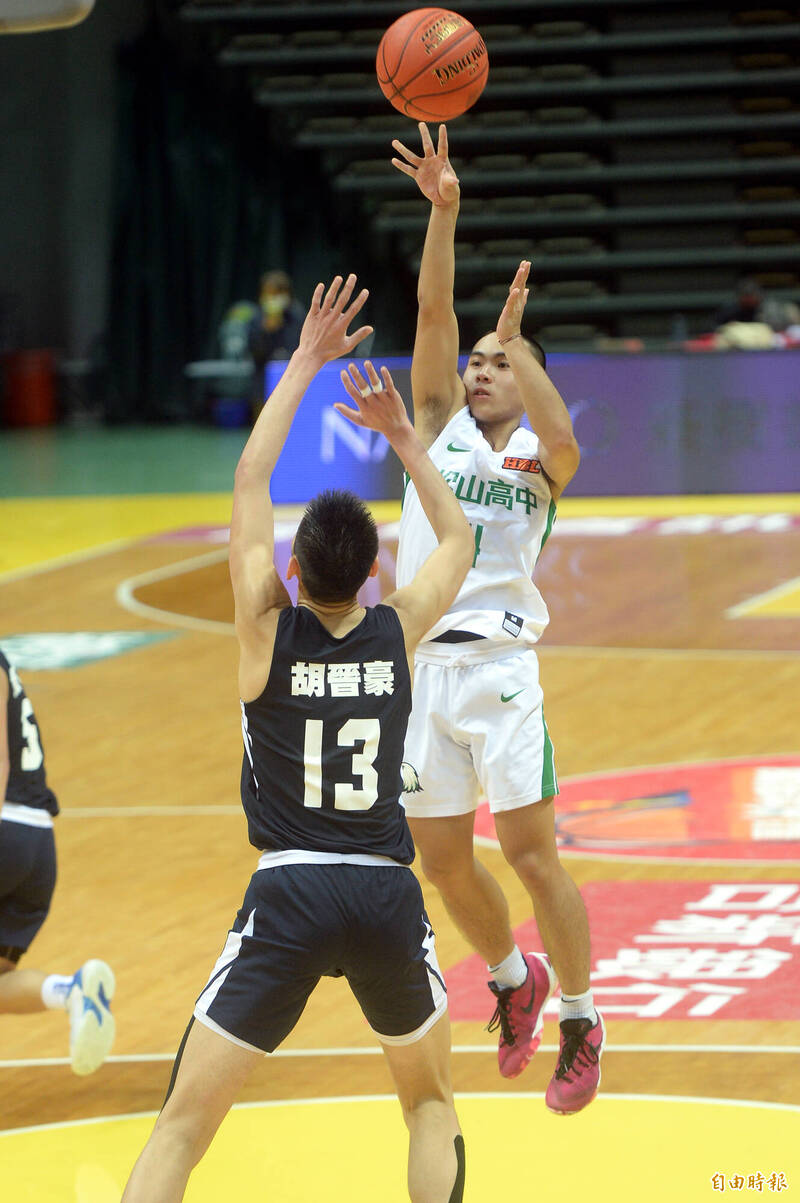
x=511, y=972
x=577, y=1006
x=55, y=991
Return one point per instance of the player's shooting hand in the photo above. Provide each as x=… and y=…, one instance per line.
x=510, y=320
x=324, y=335
x=432, y=170
x=380, y=406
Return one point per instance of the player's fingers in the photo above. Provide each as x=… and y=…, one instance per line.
x=427, y=141
x=359, y=302
x=330, y=296
x=402, y=149
x=345, y=293
x=316, y=299
x=404, y=167
x=373, y=377
x=352, y=390
x=442, y=147
x=354, y=339
x=387, y=379
x=361, y=383
x=346, y=412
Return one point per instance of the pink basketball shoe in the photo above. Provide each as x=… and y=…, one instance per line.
x=519, y=1015
x=577, y=1077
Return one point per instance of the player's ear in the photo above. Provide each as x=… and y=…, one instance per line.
x=293, y=568
x=374, y=569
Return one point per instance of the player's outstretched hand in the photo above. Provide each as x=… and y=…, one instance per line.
x=510, y=320
x=432, y=170
x=324, y=335
x=380, y=406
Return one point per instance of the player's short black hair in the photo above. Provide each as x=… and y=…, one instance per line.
x=335, y=545
x=536, y=349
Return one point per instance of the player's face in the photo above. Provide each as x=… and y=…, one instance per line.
x=492, y=392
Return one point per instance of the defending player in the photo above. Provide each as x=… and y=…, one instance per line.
x=326, y=693
x=477, y=717
x=27, y=882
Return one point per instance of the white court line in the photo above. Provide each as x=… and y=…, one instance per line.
x=139, y=812
x=65, y=561
x=126, y=589
x=335, y=1100
x=125, y=595
x=150, y=1058
x=743, y=609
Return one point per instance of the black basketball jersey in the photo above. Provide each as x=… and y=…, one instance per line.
x=27, y=784
x=324, y=741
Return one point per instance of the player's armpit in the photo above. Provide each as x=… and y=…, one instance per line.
x=560, y=464
x=257, y=586
x=437, y=389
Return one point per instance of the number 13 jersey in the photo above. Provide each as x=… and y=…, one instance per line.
x=506, y=498
x=324, y=741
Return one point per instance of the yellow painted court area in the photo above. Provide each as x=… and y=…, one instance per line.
x=45, y=530
x=621, y=1150
x=783, y=602
x=39, y=531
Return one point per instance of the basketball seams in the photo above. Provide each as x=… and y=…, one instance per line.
x=457, y=45
x=427, y=14
x=450, y=47
x=422, y=115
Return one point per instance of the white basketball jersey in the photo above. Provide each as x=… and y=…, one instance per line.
x=506, y=498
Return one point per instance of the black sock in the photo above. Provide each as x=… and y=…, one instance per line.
x=457, y=1193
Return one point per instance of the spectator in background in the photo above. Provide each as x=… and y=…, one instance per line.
x=275, y=331
x=752, y=305
x=745, y=305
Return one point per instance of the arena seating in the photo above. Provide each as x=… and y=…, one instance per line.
x=644, y=154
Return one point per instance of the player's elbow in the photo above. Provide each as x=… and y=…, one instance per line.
x=562, y=460
x=434, y=304
x=245, y=471
x=563, y=449
x=463, y=553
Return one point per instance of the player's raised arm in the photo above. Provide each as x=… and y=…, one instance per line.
x=544, y=405
x=436, y=386
x=257, y=587
x=432, y=591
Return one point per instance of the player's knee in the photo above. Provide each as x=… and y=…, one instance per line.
x=187, y=1134
x=534, y=866
x=449, y=873
x=433, y=1107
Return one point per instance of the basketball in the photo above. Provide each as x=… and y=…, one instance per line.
x=432, y=64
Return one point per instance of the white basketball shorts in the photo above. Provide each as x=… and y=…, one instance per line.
x=477, y=728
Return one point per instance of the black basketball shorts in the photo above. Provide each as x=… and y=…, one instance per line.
x=27, y=881
x=301, y=922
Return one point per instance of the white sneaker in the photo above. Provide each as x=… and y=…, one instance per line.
x=91, y=1024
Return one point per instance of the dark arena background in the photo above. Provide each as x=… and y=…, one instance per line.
x=158, y=158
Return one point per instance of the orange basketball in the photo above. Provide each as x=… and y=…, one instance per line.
x=432, y=64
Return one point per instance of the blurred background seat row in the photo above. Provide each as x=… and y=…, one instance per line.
x=644, y=155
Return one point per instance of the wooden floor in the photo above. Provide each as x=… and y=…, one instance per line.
x=640, y=666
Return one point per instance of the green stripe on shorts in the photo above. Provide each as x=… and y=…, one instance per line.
x=549, y=780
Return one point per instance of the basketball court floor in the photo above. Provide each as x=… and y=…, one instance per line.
x=671, y=670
